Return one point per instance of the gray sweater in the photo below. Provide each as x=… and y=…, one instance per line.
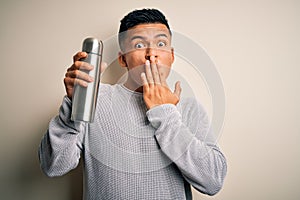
x=132, y=153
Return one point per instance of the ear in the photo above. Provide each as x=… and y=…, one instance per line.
x=122, y=60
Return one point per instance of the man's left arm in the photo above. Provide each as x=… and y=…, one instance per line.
x=201, y=163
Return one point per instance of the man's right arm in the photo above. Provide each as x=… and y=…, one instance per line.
x=60, y=148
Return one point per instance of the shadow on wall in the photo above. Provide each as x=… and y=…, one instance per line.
x=76, y=178
x=22, y=178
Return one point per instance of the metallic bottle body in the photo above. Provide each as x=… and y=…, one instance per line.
x=84, y=99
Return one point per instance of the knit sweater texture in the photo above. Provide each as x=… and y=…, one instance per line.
x=130, y=152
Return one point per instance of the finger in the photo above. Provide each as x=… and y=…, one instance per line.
x=79, y=75
x=154, y=70
x=145, y=82
x=79, y=56
x=79, y=65
x=69, y=85
x=80, y=82
x=83, y=66
x=71, y=82
x=148, y=72
x=177, y=90
x=162, y=77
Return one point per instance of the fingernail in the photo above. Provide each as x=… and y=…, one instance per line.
x=147, y=62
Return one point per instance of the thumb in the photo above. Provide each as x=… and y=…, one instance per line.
x=177, y=90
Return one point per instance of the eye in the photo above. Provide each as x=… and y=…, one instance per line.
x=139, y=45
x=161, y=44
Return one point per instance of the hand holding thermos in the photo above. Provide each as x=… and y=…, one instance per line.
x=82, y=80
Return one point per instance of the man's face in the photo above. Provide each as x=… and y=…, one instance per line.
x=143, y=41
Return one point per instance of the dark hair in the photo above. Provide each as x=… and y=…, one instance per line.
x=143, y=16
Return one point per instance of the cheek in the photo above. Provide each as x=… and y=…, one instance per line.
x=164, y=71
x=135, y=59
x=166, y=59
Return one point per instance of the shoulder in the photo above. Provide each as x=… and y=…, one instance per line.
x=104, y=87
x=107, y=89
x=190, y=104
x=105, y=93
x=194, y=116
x=191, y=109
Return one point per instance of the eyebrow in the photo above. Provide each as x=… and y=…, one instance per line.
x=137, y=37
x=143, y=38
x=161, y=35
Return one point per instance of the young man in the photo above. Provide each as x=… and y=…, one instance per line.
x=145, y=142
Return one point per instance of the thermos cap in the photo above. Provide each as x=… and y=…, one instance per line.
x=91, y=45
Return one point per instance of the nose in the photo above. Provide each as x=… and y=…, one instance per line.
x=150, y=51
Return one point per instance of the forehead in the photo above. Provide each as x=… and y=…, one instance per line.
x=148, y=30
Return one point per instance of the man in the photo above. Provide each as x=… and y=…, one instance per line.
x=145, y=142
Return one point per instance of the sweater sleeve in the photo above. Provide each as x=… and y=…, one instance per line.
x=60, y=148
x=186, y=143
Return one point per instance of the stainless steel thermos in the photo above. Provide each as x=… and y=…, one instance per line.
x=84, y=99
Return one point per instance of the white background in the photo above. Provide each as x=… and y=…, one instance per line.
x=254, y=44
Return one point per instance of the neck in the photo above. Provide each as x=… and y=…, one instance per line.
x=132, y=85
